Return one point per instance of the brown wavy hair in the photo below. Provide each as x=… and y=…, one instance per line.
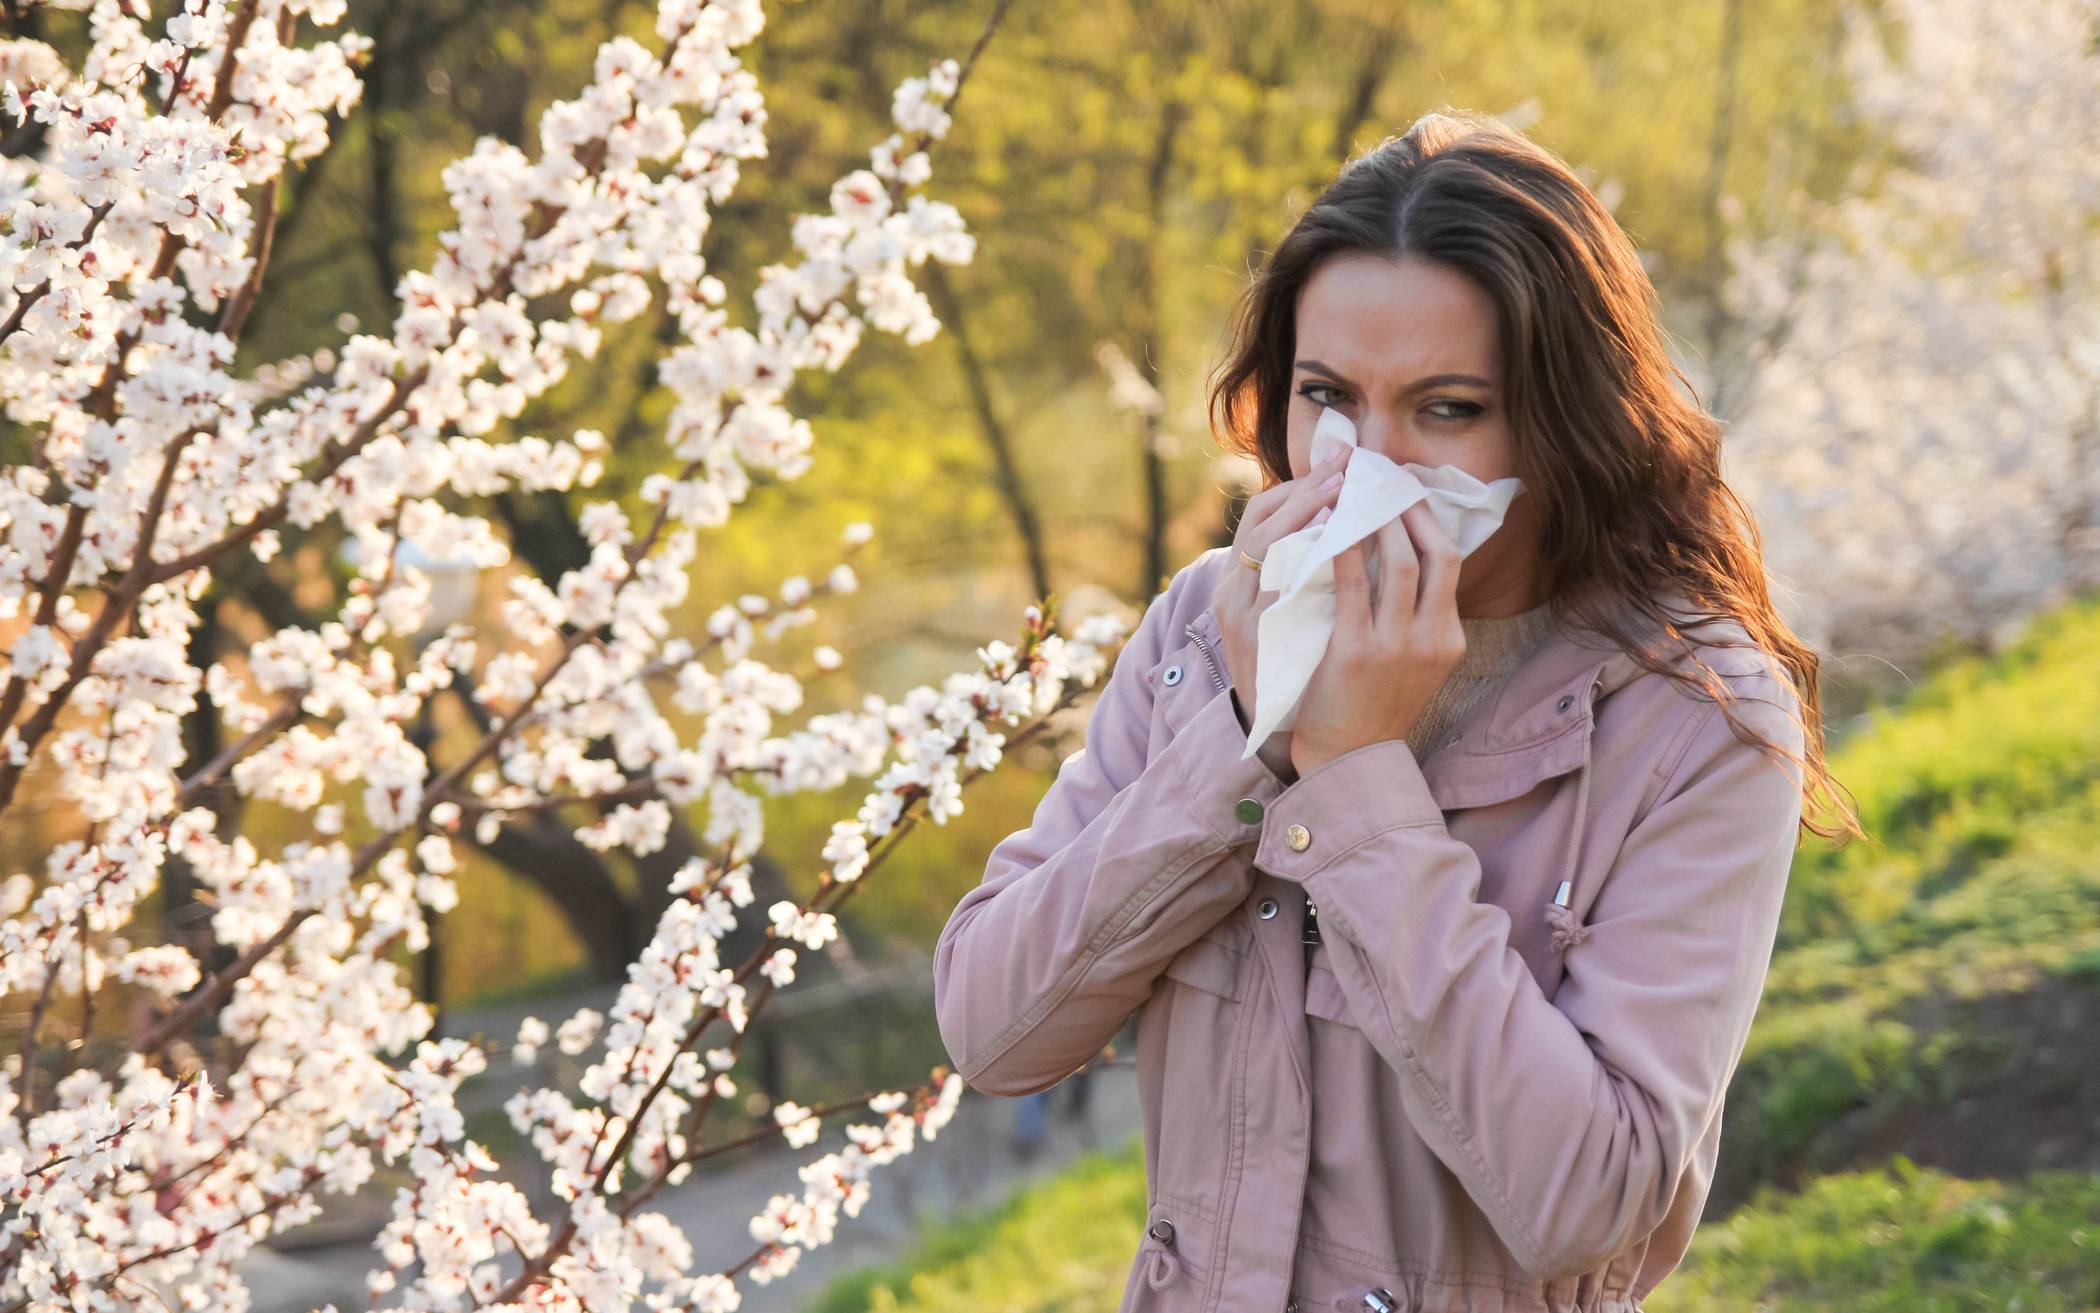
x=1627, y=469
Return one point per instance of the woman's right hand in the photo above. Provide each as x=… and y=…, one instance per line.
x=1271, y=514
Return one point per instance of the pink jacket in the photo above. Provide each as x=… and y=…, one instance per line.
x=1498, y=1085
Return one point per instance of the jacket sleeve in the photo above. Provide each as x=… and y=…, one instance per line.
x=1039, y=965
x=1572, y=1121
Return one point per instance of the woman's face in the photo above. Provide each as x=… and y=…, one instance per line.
x=1409, y=350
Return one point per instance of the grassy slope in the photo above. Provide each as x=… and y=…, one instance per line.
x=1906, y=971
x=1982, y=891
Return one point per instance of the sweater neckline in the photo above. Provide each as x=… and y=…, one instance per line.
x=1493, y=639
x=1495, y=647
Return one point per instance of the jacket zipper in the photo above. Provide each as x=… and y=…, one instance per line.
x=1208, y=659
x=1311, y=937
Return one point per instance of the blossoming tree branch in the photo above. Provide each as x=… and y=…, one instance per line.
x=135, y=237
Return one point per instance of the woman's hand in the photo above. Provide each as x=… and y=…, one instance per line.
x=1388, y=655
x=1271, y=513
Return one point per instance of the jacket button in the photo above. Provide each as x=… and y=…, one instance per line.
x=1380, y=1300
x=1162, y=1231
x=1292, y=1305
x=1248, y=810
x=1297, y=837
x=1172, y=676
x=1265, y=909
x=1566, y=700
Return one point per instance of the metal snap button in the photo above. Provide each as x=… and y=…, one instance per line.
x=1248, y=810
x=1265, y=909
x=1566, y=700
x=1380, y=1300
x=1162, y=1231
x=1297, y=837
x=1292, y=1305
x=1172, y=676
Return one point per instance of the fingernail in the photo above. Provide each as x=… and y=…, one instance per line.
x=1331, y=482
x=1321, y=518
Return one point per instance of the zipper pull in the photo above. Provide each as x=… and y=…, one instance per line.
x=1311, y=937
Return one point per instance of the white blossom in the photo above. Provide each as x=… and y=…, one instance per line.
x=1911, y=405
x=159, y=463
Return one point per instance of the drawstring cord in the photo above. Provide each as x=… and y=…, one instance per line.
x=1162, y=1265
x=1567, y=931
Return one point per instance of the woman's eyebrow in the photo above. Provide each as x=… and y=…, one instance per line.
x=1419, y=385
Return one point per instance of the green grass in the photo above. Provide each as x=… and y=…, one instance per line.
x=1066, y=1245
x=1959, y=775
x=1898, y=1237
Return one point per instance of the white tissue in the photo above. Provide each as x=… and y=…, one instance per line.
x=1291, y=635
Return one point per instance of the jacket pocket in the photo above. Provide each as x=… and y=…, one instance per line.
x=1182, y=681
x=1210, y=965
x=1192, y=1047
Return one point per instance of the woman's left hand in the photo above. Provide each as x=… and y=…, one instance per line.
x=1386, y=658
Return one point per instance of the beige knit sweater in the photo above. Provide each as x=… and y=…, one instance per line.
x=1495, y=647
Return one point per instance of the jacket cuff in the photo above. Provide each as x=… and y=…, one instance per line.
x=1340, y=804
x=1205, y=753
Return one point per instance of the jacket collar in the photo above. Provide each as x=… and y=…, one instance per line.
x=1537, y=726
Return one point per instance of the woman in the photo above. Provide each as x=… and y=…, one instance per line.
x=1438, y=994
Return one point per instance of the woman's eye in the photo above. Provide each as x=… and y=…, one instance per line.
x=1306, y=390
x=1465, y=409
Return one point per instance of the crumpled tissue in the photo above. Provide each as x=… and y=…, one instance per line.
x=1291, y=635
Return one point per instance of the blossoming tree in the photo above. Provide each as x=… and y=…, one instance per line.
x=1920, y=418
x=135, y=237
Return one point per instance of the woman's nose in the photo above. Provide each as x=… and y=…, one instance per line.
x=1388, y=440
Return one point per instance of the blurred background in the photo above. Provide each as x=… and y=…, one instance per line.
x=1871, y=227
